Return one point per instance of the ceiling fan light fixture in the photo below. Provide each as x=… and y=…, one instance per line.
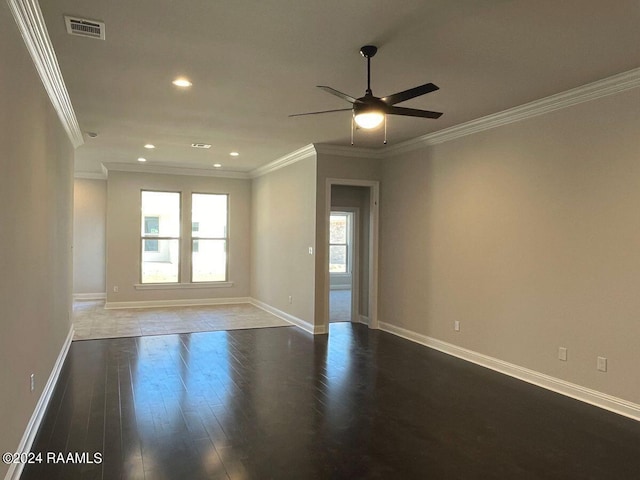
x=369, y=120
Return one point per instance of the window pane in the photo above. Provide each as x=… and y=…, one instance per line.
x=151, y=225
x=209, y=261
x=338, y=229
x=208, y=216
x=161, y=214
x=151, y=245
x=338, y=258
x=161, y=265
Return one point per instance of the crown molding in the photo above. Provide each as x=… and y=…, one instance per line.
x=172, y=170
x=28, y=17
x=591, y=91
x=357, y=152
x=90, y=175
x=293, y=157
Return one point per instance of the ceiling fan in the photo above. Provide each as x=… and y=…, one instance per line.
x=370, y=111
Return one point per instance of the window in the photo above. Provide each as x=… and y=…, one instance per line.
x=209, y=237
x=160, y=235
x=339, y=239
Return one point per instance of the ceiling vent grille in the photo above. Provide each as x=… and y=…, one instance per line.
x=200, y=145
x=84, y=27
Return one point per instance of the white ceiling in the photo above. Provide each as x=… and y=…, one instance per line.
x=252, y=63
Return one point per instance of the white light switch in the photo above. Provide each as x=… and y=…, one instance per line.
x=602, y=364
x=562, y=354
x=310, y=250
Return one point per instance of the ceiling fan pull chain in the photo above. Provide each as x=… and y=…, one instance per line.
x=385, y=129
x=352, y=130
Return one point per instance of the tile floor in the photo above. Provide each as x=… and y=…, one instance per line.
x=340, y=306
x=91, y=321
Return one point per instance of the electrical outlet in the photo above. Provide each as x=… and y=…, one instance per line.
x=602, y=364
x=32, y=382
x=115, y=289
x=310, y=250
x=456, y=325
x=290, y=299
x=562, y=354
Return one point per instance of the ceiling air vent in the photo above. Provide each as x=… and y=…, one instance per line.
x=200, y=145
x=84, y=27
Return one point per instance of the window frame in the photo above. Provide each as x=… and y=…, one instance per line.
x=159, y=237
x=226, y=241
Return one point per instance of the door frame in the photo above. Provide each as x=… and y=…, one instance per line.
x=374, y=194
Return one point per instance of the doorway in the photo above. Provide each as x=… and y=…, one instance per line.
x=343, y=264
x=351, y=278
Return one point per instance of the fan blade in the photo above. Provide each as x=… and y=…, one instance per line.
x=335, y=92
x=412, y=112
x=324, y=111
x=409, y=94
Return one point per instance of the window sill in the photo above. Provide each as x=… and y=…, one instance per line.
x=181, y=286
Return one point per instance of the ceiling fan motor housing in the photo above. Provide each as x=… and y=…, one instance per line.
x=369, y=103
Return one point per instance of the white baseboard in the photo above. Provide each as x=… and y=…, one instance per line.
x=363, y=319
x=89, y=296
x=298, y=322
x=15, y=469
x=578, y=392
x=193, y=302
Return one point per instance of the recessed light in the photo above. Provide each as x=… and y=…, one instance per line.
x=217, y=165
x=234, y=154
x=182, y=82
x=149, y=146
x=140, y=159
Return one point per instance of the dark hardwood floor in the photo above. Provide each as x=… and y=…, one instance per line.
x=277, y=403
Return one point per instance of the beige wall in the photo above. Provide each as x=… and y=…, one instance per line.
x=528, y=235
x=36, y=163
x=334, y=167
x=123, y=234
x=283, y=228
x=89, y=223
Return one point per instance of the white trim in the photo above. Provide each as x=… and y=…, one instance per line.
x=90, y=175
x=364, y=319
x=30, y=21
x=293, y=157
x=187, y=302
x=578, y=392
x=181, y=286
x=169, y=169
x=79, y=297
x=298, y=322
x=591, y=91
x=356, y=152
x=15, y=469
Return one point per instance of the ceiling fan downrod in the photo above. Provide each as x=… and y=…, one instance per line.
x=367, y=52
